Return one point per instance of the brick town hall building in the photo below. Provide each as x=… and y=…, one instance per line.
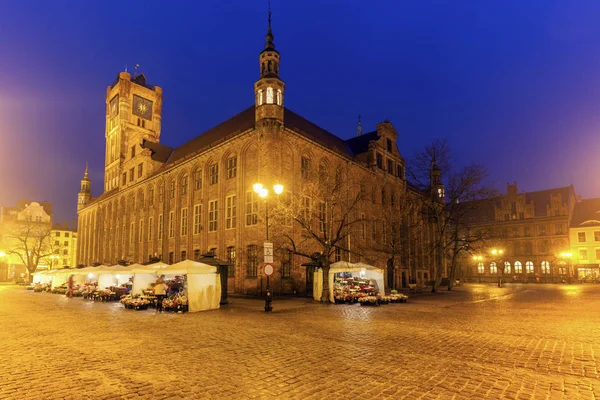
x=178, y=203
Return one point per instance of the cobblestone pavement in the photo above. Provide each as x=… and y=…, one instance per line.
x=476, y=342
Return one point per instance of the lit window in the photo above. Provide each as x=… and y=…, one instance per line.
x=184, y=221
x=279, y=97
x=529, y=267
x=269, y=95
x=230, y=212
x=518, y=267
x=212, y=215
x=231, y=261
x=507, y=267
x=260, y=97
x=480, y=268
x=545, y=267
x=493, y=268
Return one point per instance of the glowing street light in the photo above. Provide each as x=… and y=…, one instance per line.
x=567, y=255
x=500, y=270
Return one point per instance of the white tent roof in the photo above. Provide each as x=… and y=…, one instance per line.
x=148, y=269
x=117, y=269
x=189, y=267
x=345, y=266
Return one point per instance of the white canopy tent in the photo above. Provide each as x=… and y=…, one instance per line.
x=42, y=277
x=203, y=282
x=114, y=275
x=359, y=269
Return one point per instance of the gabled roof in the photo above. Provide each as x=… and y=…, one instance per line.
x=160, y=152
x=542, y=198
x=360, y=144
x=586, y=213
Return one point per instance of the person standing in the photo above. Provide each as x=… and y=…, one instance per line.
x=159, y=292
x=71, y=286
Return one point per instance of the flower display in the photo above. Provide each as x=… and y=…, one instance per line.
x=134, y=302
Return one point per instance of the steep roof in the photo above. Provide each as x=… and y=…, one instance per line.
x=586, y=211
x=542, y=198
x=360, y=144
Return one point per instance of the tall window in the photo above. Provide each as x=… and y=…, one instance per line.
x=542, y=230
x=151, y=195
x=260, y=97
x=583, y=254
x=230, y=212
x=322, y=218
x=231, y=261
x=184, y=185
x=305, y=210
x=337, y=256
x=183, y=255
x=198, y=179
x=172, y=190
x=131, y=174
x=196, y=254
x=131, y=233
x=286, y=263
x=480, y=268
x=596, y=236
x=161, y=193
x=545, y=267
x=390, y=167
x=214, y=174
x=141, y=232
x=197, y=218
x=305, y=167
x=507, y=267
x=231, y=167
x=559, y=229
x=161, y=226
x=212, y=215
x=150, y=227
x=493, y=268
x=269, y=95
x=379, y=159
x=279, y=97
x=140, y=170
x=518, y=267
x=529, y=267
x=384, y=232
x=363, y=226
x=581, y=237
x=251, y=208
x=141, y=200
x=184, y=221
x=124, y=180
x=252, y=264
x=171, y=224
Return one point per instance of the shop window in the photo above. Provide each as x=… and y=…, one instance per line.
x=252, y=262
x=507, y=267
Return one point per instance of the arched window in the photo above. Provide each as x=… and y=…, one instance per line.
x=507, y=267
x=184, y=185
x=259, y=96
x=279, y=97
x=269, y=95
x=480, y=268
x=545, y=267
x=518, y=267
x=529, y=267
x=493, y=268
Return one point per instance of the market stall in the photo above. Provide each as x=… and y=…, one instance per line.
x=144, y=275
x=348, y=278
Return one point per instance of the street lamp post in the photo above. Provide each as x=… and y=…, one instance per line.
x=3, y=261
x=264, y=193
x=500, y=271
x=477, y=260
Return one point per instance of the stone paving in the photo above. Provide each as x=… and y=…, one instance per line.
x=476, y=342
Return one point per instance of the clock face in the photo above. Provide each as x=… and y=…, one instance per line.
x=114, y=106
x=142, y=107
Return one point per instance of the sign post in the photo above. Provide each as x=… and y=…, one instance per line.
x=268, y=253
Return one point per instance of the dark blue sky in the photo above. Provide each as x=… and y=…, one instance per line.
x=512, y=84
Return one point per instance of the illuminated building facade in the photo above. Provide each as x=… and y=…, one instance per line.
x=178, y=203
x=585, y=241
x=63, y=241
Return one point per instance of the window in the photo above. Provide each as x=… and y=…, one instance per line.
x=183, y=255
x=374, y=226
x=545, y=267
x=65, y=261
x=172, y=190
x=231, y=261
x=198, y=179
x=337, y=255
x=231, y=167
x=507, y=267
x=132, y=151
x=379, y=159
x=581, y=237
x=260, y=97
x=66, y=234
x=150, y=227
x=286, y=263
x=161, y=193
x=151, y=195
x=131, y=174
x=518, y=267
x=559, y=229
x=161, y=226
x=65, y=243
x=269, y=95
x=197, y=218
x=132, y=234
x=322, y=218
x=526, y=231
x=214, y=174
x=305, y=167
x=562, y=270
x=184, y=221
x=230, y=212
x=57, y=243
x=529, y=267
x=212, y=215
x=390, y=167
x=583, y=254
x=184, y=185
x=399, y=172
x=597, y=254
x=57, y=234
x=493, y=268
x=65, y=252
x=480, y=268
x=124, y=236
x=140, y=170
x=389, y=144
x=596, y=236
x=279, y=97
x=171, y=257
x=542, y=230
x=363, y=226
x=305, y=210
x=213, y=251
x=251, y=208
x=124, y=178
x=252, y=263
x=384, y=232
x=141, y=232
x=171, y=224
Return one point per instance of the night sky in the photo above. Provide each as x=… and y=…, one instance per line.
x=514, y=85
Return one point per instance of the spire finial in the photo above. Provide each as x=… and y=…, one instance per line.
x=269, y=44
x=359, y=129
x=85, y=174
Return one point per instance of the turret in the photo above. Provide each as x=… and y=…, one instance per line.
x=85, y=191
x=435, y=182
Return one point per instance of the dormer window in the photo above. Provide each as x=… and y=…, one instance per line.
x=389, y=145
x=279, y=97
x=259, y=99
x=269, y=95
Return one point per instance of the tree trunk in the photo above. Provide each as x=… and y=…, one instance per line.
x=453, y=265
x=325, y=292
x=438, y=272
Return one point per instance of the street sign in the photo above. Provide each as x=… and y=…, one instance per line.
x=268, y=270
x=268, y=252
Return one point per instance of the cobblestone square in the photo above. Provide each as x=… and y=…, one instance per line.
x=478, y=341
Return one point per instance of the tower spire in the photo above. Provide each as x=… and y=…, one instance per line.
x=270, y=45
x=359, y=129
x=86, y=174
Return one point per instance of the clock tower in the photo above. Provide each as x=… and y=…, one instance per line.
x=133, y=115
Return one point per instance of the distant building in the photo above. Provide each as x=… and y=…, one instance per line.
x=532, y=230
x=64, y=245
x=19, y=227
x=585, y=241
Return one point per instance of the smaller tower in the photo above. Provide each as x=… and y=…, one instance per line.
x=435, y=182
x=85, y=194
x=359, y=128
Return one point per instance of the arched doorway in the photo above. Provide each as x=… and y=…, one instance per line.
x=391, y=282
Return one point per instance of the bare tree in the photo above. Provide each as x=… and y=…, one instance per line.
x=29, y=241
x=447, y=205
x=325, y=209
